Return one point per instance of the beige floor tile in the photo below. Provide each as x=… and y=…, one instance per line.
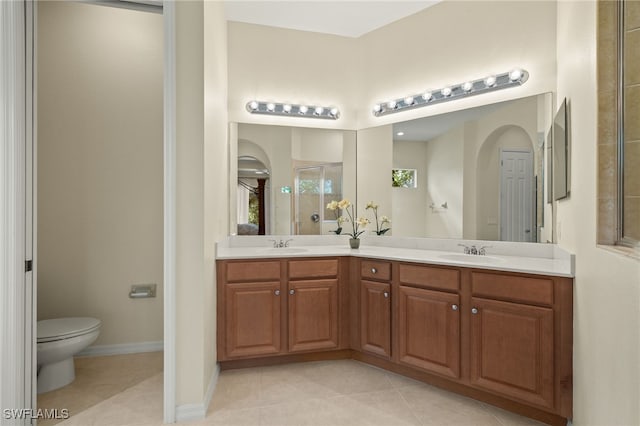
x=282, y=384
x=346, y=377
x=237, y=389
x=100, y=378
x=310, y=412
x=306, y=395
x=435, y=407
x=243, y=417
x=374, y=408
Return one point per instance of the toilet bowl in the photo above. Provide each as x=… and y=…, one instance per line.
x=58, y=341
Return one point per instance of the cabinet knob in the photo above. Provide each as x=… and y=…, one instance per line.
x=374, y=270
x=277, y=292
x=474, y=311
x=292, y=291
x=454, y=307
x=386, y=294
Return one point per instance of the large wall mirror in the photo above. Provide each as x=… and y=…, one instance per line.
x=283, y=178
x=479, y=173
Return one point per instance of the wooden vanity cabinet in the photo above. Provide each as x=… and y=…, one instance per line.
x=429, y=319
x=313, y=310
x=520, y=343
x=250, y=306
x=279, y=306
x=375, y=307
x=487, y=332
x=501, y=337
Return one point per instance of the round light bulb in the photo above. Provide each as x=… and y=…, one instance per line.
x=515, y=75
x=490, y=81
x=334, y=112
x=446, y=91
x=391, y=104
x=303, y=109
x=271, y=107
x=253, y=105
x=400, y=134
x=408, y=100
x=377, y=108
x=286, y=108
x=467, y=86
x=427, y=96
x=319, y=110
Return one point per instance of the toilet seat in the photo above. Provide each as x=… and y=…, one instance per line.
x=65, y=328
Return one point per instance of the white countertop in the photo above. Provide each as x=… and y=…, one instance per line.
x=540, y=259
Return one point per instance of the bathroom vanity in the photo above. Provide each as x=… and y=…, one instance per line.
x=497, y=328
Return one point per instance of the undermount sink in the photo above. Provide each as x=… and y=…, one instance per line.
x=458, y=257
x=284, y=250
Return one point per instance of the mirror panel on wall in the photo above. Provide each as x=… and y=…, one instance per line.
x=479, y=173
x=286, y=176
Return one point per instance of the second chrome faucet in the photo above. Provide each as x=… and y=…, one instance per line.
x=481, y=251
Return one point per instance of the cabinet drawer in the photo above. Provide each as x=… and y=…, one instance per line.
x=315, y=268
x=427, y=276
x=253, y=271
x=376, y=270
x=512, y=288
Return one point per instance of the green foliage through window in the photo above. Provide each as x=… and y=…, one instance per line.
x=403, y=178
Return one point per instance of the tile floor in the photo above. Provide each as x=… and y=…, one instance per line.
x=327, y=393
x=100, y=378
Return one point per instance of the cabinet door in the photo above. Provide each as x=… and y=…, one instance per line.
x=375, y=318
x=313, y=315
x=252, y=314
x=429, y=330
x=512, y=350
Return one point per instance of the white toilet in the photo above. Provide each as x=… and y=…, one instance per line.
x=58, y=341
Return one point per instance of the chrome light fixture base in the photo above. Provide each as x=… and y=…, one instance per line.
x=293, y=110
x=513, y=78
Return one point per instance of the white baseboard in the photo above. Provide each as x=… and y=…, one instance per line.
x=199, y=411
x=123, y=348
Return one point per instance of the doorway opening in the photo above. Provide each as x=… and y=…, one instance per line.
x=517, y=206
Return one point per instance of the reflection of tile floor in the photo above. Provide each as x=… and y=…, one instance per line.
x=100, y=378
x=327, y=393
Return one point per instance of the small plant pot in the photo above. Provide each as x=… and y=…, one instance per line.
x=354, y=243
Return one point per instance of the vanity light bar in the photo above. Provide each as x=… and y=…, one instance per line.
x=515, y=77
x=293, y=110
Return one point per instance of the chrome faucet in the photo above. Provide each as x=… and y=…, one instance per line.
x=469, y=249
x=482, y=250
x=280, y=243
x=472, y=249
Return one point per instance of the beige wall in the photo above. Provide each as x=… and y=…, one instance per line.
x=408, y=205
x=216, y=167
x=452, y=42
x=374, y=164
x=275, y=64
x=281, y=65
x=444, y=163
x=202, y=189
x=607, y=294
x=100, y=167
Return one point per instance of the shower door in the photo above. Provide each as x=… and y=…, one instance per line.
x=308, y=196
x=315, y=187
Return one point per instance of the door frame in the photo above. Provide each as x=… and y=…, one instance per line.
x=16, y=288
x=18, y=325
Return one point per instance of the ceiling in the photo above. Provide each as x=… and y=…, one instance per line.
x=347, y=18
x=427, y=128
